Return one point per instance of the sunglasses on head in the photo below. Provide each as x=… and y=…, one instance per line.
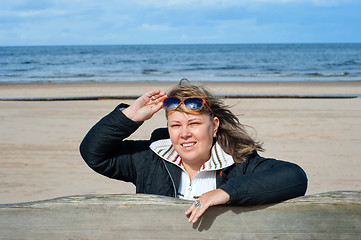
x=191, y=103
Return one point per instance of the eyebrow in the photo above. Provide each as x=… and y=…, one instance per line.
x=194, y=119
x=189, y=120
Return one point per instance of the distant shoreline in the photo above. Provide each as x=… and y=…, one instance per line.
x=50, y=91
x=176, y=81
x=181, y=44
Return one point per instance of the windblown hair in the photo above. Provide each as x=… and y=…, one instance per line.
x=231, y=134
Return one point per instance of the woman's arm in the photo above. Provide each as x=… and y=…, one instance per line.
x=257, y=181
x=264, y=181
x=103, y=148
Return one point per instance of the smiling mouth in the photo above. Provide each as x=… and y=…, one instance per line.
x=188, y=144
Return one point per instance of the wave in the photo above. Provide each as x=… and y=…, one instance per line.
x=154, y=71
x=29, y=62
x=216, y=68
x=290, y=75
x=257, y=75
x=316, y=74
x=348, y=63
x=10, y=75
x=69, y=63
x=81, y=75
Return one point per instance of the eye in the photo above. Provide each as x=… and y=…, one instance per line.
x=175, y=125
x=195, y=123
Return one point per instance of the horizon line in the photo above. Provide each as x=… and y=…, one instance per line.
x=170, y=44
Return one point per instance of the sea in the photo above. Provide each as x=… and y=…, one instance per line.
x=197, y=62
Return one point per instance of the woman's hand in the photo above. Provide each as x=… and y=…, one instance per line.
x=145, y=106
x=208, y=199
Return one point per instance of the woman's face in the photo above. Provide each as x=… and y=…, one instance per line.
x=192, y=135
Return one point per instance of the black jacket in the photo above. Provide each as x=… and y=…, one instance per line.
x=256, y=181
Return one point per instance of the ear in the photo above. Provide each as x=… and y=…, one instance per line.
x=215, y=126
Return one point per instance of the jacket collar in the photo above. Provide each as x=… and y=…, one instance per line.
x=218, y=160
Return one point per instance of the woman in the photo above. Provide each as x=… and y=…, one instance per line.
x=205, y=155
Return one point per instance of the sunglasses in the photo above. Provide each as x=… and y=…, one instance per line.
x=192, y=103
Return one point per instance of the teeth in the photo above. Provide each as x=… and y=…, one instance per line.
x=188, y=144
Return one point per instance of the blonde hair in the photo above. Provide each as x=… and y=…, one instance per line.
x=231, y=134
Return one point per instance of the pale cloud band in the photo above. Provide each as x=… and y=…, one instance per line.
x=48, y=22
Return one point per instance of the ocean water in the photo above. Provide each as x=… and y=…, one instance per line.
x=209, y=62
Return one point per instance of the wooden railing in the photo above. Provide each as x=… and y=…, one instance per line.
x=333, y=215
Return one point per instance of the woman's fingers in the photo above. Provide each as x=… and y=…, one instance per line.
x=155, y=97
x=145, y=106
x=191, y=208
x=208, y=199
x=196, y=212
x=156, y=101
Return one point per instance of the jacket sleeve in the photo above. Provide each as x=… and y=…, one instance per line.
x=104, y=150
x=262, y=181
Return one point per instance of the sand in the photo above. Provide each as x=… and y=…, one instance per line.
x=39, y=141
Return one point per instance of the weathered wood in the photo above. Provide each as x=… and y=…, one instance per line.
x=129, y=97
x=334, y=215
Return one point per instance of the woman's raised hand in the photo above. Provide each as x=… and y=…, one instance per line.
x=145, y=106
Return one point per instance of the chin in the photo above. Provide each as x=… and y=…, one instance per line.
x=189, y=157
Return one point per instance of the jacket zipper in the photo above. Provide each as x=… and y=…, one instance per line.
x=171, y=178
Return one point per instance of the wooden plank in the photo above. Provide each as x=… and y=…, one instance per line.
x=129, y=97
x=334, y=215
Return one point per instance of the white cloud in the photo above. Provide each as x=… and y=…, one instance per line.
x=33, y=13
x=168, y=21
x=229, y=3
x=156, y=27
x=327, y=3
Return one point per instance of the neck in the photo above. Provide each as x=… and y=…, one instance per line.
x=191, y=169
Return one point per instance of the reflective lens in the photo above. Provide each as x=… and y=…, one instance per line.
x=171, y=103
x=192, y=103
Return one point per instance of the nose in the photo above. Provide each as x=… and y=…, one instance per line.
x=185, y=133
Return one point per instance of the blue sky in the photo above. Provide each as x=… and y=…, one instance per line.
x=78, y=22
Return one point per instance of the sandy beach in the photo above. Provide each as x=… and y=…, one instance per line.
x=39, y=141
